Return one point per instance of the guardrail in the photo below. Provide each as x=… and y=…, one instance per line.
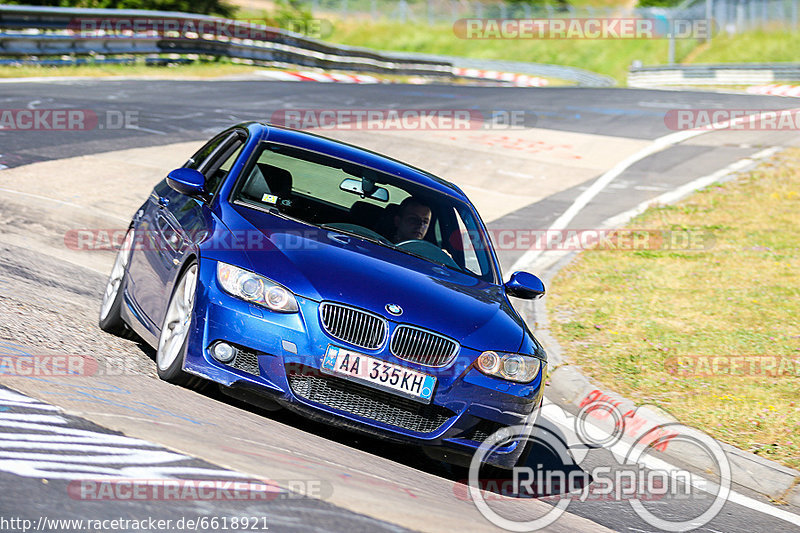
x=561, y=72
x=61, y=31
x=722, y=74
x=33, y=32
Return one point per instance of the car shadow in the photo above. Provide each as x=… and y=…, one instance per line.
x=550, y=469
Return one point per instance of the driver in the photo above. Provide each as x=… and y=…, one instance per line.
x=412, y=220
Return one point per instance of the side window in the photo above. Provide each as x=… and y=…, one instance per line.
x=218, y=170
x=467, y=239
x=197, y=160
x=216, y=158
x=228, y=163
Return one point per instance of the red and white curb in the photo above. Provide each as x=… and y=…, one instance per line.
x=520, y=80
x=322, y=77
x=776, y=90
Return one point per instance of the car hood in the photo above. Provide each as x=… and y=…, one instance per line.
x=325, y=265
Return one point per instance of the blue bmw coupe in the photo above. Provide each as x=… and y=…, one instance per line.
x=302, y=272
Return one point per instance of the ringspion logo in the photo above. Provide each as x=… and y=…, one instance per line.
x=640, y=474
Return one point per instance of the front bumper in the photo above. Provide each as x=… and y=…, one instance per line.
x=279, y=359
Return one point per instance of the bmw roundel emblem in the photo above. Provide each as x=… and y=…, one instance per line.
x=394, y=309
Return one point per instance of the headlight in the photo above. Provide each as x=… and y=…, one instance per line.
x=255, y=289
x=511, y=366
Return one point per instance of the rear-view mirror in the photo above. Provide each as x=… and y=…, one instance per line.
x=354, y=186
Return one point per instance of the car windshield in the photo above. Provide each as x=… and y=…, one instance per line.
x=334, y=194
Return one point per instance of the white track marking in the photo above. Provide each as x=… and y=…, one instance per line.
x=111, y=456
x=602, y=182
x=34, y=418
x=9, y=395
x=622, y=449
x=30, y=444
x=688, y=188
x=93, y=439
x=139, y=128
x=41, y=407
x=550, y=257
x=89, y=454
x=519, y=174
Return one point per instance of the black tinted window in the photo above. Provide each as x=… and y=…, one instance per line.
x=197, y=160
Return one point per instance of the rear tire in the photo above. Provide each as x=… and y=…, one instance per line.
x=110, y=319
x=174, y=338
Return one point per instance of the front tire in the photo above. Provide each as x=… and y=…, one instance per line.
x=174, y=338
x=110, y=319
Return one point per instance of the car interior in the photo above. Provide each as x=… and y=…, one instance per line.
x=274, y=186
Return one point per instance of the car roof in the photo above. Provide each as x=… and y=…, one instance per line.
x=360, y=156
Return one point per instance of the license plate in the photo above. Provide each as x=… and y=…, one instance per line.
x=379, y=374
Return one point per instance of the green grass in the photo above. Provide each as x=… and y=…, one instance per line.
x=610, y=56
x=757, y=46
x=195, y=70
x=624, y=317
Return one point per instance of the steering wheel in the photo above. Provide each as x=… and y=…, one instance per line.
x=358, y=230
x=427, y=250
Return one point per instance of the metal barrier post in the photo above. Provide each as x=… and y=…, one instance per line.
x=671, y=30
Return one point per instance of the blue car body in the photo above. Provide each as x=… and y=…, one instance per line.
x=279, y=355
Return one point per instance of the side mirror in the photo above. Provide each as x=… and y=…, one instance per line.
x=187, y=181
x=524, y=285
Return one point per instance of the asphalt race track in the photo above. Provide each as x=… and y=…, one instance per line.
x=126, y=424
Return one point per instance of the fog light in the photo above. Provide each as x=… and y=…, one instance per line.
x=223, y=352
